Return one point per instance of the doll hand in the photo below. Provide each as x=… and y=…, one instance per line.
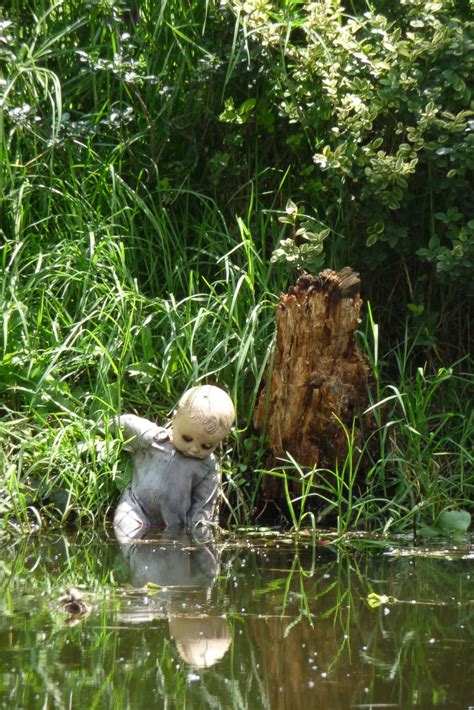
x=202, y=530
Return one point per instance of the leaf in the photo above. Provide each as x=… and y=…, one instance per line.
x=291, y=208
x=246, y=106
x=374, y=600
x=428, y=531
x=415, y=308
x=454, y=520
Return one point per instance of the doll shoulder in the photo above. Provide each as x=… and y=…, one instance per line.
x=209, y=467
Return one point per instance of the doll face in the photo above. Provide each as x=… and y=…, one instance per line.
x=191, y=439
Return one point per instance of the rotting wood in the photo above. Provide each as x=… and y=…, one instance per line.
x=319, y=374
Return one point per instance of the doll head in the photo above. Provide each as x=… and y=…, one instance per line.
x=203, y=417
x=201, y=642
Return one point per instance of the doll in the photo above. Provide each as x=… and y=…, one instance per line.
x=175, y=477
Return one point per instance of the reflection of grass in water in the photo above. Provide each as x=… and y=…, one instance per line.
x=434, y=606
x=304, y=595
x=100, y=662
x=95, y=664
x=273, y=599
x=122, y=664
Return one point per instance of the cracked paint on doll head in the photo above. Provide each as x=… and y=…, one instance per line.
x=203, y=417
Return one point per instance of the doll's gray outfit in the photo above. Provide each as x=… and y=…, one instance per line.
x=167, y=489
x=170, y=561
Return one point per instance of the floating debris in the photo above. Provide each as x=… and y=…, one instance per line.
x=72, y=603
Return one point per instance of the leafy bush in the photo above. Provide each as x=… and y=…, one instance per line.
x=363, y=118
x=373, y=112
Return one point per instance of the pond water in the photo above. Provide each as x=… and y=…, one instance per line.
x=246, y=622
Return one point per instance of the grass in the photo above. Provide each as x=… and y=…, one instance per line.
x=123, y=281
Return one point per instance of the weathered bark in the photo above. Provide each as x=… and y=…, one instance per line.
x=319, y=374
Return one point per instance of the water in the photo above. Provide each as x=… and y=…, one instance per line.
x=255, y=622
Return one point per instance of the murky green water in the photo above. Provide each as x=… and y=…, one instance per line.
x=252, y=623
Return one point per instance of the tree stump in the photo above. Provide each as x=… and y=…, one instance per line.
x=319, y=374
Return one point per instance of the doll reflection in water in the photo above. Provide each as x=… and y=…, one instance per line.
x=164, y=518
x=183, y=572
x=175, y=478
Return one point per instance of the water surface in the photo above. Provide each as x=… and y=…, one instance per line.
x=250, y=622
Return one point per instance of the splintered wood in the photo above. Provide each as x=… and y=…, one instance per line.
x=319, y=374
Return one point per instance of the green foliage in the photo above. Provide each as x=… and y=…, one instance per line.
x=368, y=116
x=425, y=441
x=382, y=105
x=304, y=248
x=162, y=164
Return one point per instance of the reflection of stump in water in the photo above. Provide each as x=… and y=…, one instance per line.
x=309, y=667
x=318, y=372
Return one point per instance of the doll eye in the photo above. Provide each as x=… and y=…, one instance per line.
x=187, y=438
x=206, y=446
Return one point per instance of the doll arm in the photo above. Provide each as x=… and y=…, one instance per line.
x=138, y=433
x=203, y=500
